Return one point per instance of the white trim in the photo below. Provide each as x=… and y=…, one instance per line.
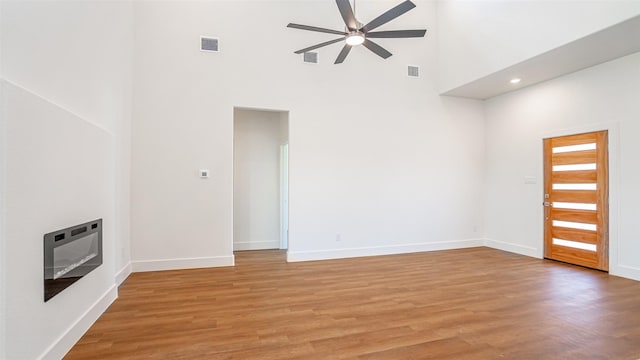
x=65, y=342
x=625, y=271
x=3, y=211
x=284, y=194
x=256, y=245
x=294, y=256
x=123, y=274
x=580, y=130
x=614, y=200
x=179, y=264
x=513, y=248
x=252, y=108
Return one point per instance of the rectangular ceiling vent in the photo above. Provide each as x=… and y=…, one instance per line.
x=209, y=44
x=310, y=57
x=413, y=71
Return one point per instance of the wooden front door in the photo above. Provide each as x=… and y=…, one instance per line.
x=576, y=200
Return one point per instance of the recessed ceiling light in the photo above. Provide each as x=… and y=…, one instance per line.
x=515, y=80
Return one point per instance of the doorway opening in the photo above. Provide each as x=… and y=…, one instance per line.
x=576, y=199
x=260, y=179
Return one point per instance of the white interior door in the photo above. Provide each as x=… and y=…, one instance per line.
x=284, y=196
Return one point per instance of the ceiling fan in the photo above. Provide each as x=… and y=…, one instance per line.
x=356, y=33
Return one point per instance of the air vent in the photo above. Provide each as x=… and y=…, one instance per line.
x=209, y=44
x=413, y=71
x=310, y=57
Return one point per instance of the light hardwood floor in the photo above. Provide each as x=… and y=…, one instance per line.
x=476, y=303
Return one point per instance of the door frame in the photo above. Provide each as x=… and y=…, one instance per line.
x=284, y=196
x=287, y=114
x=614, y=184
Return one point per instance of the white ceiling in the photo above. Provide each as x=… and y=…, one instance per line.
x=605, y=45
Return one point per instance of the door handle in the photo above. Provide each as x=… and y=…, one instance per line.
x=546, y=203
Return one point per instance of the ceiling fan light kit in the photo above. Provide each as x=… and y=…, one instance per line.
x=359, y=34
x=355, y=38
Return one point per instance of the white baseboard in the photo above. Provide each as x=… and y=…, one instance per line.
x=256, y=245
x=123, y=274
x=510, y=247
x=65, y=342
x=625, y=271
x=179, y=264
x=294, y=256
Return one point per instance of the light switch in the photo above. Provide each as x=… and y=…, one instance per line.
x=529, y=180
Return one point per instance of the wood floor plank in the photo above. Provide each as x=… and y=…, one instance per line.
x=476, y=303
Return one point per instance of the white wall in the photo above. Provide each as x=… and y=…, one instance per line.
x=602, y=97
x=478, y=38
x=256, y=179
x=3, y=202
x=67, y=98
x=3, y=237
x=376, y=157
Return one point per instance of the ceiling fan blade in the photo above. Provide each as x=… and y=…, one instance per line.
x=347, y=14
x=379, y=50
x=397, y=34
x=315, y=28
x=389, y=15
x=319, y=45
x=343, y=54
